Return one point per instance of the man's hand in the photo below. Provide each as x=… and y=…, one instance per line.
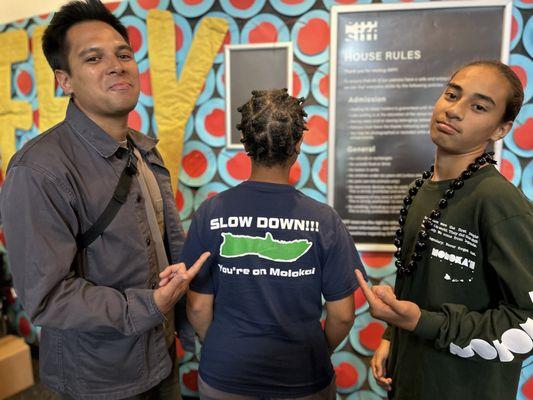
x=378, y=363
x=175, y=283
x=385, y=306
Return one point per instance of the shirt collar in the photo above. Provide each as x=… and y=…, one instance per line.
x=143, y=142
x=97, y=138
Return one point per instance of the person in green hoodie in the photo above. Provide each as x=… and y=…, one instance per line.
x=461, y=315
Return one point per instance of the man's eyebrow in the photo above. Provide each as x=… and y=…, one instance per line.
x=475, y=95
x=89, y=50
x=455, y=86
x=124, y=47
x=96, y=49
x=484, y=97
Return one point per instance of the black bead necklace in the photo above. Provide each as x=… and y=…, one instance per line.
x=423, y=234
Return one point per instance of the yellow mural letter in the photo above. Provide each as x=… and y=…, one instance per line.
x=174, y=100
x=52, y=109
x=13, y=113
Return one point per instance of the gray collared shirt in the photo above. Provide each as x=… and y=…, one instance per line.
x=102, y=334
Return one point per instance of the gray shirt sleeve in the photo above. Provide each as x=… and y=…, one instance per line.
x=40, y=226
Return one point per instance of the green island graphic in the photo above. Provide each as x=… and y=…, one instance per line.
x=267, y=247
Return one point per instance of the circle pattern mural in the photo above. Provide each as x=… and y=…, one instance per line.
x=44, y=19
x=117, y=8
x=350, y=371
x=378, y=390
x=528, y=35
x=510, y=167
x=198, y=165
x=364, y=395
x=209, y=168
x=234, y=166
x=523, y=67
x=184, y=201
x=24, y=81
x=320, y=172
x=138, y=119
x=365, y=334
x=359, y=300
x=220, y=81
x=523, y=3
x=141, y=7
x=310, y=37
x=189, y=379
x=525, y=386
x=300, y=171
x=208, y=191
x=182, y=37
x=316, y=137
x=527, y=180
x=137, y=34
x=211, y=122
x=320, y=84
x=330, y=3
x=145, y=95
x=300, y=81
x=192, y=8
x=242, y=8
x=265, y=28
x=378, y=265
x=520, y=139
x=517, y=24
x=292, y=7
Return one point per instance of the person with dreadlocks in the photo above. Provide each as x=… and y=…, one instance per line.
x=256, y=304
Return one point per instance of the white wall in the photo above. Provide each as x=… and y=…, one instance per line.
x=12, y=10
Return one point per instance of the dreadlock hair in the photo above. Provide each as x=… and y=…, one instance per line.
x=55, y=45
x=516, y=96
x=272, y=123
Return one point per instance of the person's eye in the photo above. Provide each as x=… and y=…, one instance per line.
x=125, y=57
x=450, y=95
x=92, y=59
x=479, y=107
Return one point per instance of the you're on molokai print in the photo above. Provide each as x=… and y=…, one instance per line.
x=265, y=246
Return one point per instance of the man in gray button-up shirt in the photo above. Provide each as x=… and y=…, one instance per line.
x=101, y=309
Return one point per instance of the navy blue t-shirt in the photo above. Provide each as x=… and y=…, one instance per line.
x=274, y=252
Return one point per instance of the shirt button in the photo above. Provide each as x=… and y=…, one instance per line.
x=148, y=241
x=139, y=198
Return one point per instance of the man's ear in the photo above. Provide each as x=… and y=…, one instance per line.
x=64, y=80
x=501, y=131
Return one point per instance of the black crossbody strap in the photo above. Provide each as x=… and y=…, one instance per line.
x=117, y=200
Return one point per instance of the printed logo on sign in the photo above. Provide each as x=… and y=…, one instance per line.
x=361, y=31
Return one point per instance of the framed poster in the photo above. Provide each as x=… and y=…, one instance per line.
x=253, y=67
x=389, y=64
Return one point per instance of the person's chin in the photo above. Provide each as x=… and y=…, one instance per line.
x=124, y=106
x=434, y=135
x=441, y=140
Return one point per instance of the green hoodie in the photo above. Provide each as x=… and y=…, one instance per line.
x=474, y=286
